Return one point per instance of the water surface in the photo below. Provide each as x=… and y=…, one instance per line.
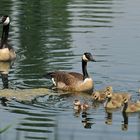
x=52, y=35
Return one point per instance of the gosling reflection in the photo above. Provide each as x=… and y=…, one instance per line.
x=109, y=116
x=125, y=122
x=81, y=108
x=86, y=121
x=4, y=71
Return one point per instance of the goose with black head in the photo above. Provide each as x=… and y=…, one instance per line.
x=73, y=81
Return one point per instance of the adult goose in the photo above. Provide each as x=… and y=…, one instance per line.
x=7, y=53
x=73, y=81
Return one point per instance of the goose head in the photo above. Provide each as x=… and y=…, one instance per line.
x=88, y=57
x=5, y=20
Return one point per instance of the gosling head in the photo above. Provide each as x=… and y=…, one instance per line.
x=109, y=94
x=108, y=91
x=88, y=57
x=96, y=95
x=125, y=100
x=5, y=20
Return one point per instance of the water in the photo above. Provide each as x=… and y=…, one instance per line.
x=50, y=35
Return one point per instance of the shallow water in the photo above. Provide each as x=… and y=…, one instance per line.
x=51, y=35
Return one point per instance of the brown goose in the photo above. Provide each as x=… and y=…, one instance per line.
x=7, y=53
x=73, y=81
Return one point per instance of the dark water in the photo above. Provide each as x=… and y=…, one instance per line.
x=53, y=34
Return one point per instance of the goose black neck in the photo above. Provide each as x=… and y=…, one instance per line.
x=125, y=107
x=84, y=69
x=5, y=34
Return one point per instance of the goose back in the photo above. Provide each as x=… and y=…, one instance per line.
x=70, y=81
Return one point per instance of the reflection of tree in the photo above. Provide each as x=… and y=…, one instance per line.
x=44, y=37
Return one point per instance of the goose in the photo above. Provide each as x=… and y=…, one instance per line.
x=7, y=53
x=130, y=107
x=73, y=81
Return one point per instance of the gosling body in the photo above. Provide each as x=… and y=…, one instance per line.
x=130, y=107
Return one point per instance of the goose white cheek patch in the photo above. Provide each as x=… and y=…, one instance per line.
x=84, y=58
x=7, y=21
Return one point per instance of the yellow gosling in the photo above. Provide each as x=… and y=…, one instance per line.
x=130, y=107
x=99, y=95
x=117, y=95
x=112, y=103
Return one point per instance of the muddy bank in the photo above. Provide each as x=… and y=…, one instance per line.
x=26, y=94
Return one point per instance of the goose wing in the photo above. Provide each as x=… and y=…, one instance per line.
x=77, y=75
x=68, y=78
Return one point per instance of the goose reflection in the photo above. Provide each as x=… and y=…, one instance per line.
x=4, y=71
x=4, y=101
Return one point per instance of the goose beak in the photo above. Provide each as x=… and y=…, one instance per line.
x=92, y=59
